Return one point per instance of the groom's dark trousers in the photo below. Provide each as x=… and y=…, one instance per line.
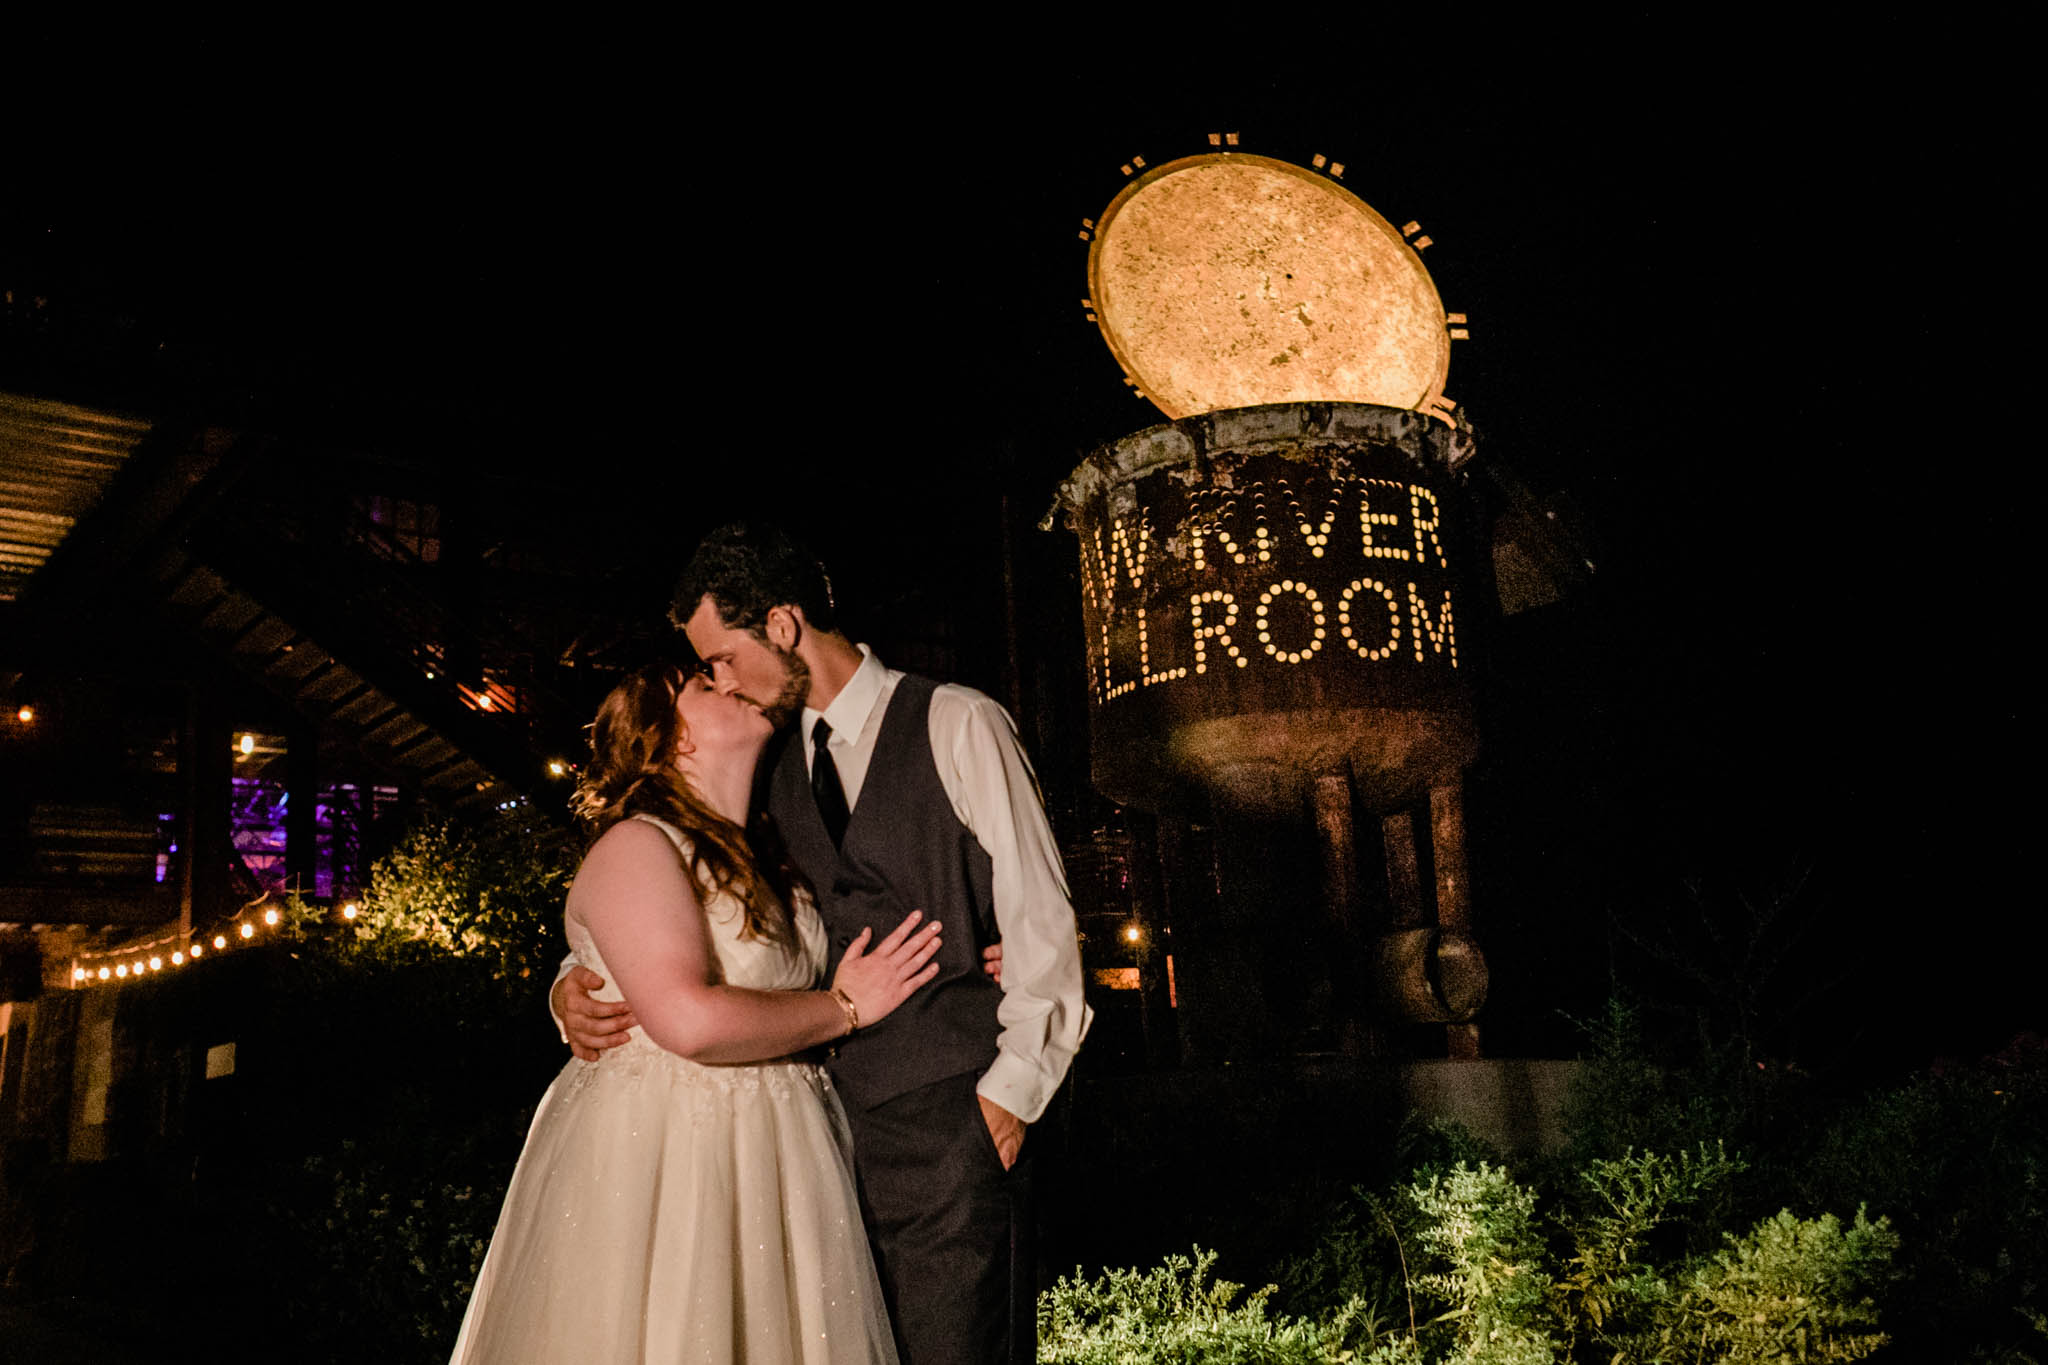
x=949, y=1225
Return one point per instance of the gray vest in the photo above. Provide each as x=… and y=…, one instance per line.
x=904, y=850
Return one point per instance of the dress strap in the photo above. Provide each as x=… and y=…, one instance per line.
x=675, y=836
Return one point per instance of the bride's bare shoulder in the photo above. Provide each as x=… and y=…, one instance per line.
x=630, y=849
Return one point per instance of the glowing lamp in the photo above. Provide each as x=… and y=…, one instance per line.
x=348, y=911
x=1131, y=934
x=26, y=715
x=121, y=970
x=270, y=916
x=556, y=768
x=1228, y=280
x=177, y=959
x=248, y=931
x=247, y=745
x=156, y=964
x=104, y=973
x=220, y=940
x=78, y=973
x=197, y=949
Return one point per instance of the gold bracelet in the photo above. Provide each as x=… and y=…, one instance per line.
x=846, y=1003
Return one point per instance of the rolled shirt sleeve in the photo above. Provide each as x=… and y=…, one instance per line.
x=1043, y=1014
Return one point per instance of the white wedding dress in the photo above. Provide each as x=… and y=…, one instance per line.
x=664, y=1211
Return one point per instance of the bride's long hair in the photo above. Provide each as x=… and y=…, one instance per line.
x=633, y=747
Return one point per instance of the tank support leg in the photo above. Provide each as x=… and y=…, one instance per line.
x=1453, y=895
x=1340, y=900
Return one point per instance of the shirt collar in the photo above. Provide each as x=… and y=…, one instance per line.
x=849, y=711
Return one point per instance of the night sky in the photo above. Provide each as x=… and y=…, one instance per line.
x=1746, y=322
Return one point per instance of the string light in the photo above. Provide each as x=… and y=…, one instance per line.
x=26, y=715
x=248, y=745
x=137, y=960
x=348, y=911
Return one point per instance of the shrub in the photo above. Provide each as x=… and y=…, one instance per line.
x=1175, y=1313
x=1480, y=1226
x=1793, y=1289
x=1611, y=1292
x=491, y=890
x=1465, y=1261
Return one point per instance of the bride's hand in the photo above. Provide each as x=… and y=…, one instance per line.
x=878, y=981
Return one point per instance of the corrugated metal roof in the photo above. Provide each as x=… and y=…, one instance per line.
x=55, y=463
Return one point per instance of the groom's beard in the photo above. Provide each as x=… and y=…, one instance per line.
x=796, y=686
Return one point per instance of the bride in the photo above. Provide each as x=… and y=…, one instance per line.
x=689, y=1197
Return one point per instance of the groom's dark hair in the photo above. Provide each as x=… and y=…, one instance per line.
x=748, y=569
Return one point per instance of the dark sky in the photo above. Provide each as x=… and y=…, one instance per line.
x=1746, y=319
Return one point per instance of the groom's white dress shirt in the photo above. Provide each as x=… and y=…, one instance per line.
x=994, y=793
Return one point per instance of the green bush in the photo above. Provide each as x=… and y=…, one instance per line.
x=392, y=1243
x=1610, y=1292
x=1459, y=1267
x=1793, y=1289
x=1480, y=1228
x=490, y=890
x=1176, y=1313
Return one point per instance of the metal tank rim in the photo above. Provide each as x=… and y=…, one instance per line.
x=1288, y=430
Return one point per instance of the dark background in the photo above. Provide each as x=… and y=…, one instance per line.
x=1744, y=314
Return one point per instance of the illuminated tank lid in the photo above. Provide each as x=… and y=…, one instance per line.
x=1228, y=280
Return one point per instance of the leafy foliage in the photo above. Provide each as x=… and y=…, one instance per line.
x=1609, y=1290
x=1471, y=1271
x=1480, y=1227
x=489, y=890
x=1792, y=1289
x=1175, y=1312
x=394, y=1245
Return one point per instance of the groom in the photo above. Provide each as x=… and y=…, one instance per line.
x=896, y=793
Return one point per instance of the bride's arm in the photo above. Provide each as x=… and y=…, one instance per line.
x=643, y=913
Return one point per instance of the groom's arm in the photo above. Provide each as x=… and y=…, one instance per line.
x=587, y=1025
x=1043, y=1016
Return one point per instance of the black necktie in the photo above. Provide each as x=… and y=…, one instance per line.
x=825, y=788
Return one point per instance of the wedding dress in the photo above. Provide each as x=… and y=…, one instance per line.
x=664, y=1211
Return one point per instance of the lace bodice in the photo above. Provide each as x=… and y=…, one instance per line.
x=754, y=963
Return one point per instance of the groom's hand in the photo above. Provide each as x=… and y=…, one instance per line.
x=592, y=1025
x=1005, y=1127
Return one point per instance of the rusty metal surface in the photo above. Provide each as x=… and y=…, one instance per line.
x=1278, y=592
x=1429, y=976
x=1447, y=846
x=1404, y=878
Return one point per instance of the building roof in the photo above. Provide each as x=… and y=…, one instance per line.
x=56, y=460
